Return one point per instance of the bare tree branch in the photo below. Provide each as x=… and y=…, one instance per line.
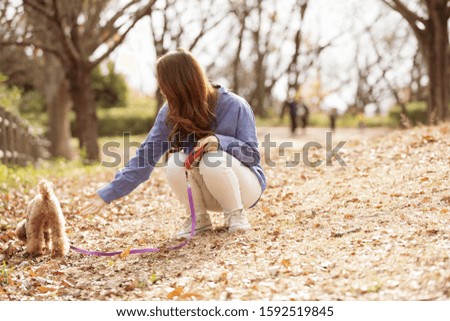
x=116, y=42
x=25, y=43
x=206, y=28
x=66, y=37
x=43, y=10
x=407, y=14
x=91, y=25
x=108, y=30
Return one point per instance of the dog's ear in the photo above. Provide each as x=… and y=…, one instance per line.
x=21, y=231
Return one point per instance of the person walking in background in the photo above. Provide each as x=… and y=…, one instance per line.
x=333, y=118
x=361, y=122
x=292, y=105
x=304, y=116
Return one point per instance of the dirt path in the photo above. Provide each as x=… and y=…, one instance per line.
x=376, y=229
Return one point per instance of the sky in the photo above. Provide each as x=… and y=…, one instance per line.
x=324, y=20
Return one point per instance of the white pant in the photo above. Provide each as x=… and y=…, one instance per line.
x=219, y=183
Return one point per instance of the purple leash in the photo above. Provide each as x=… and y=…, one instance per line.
x=151, y=250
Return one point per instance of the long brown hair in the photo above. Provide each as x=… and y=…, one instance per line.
x=190, y=95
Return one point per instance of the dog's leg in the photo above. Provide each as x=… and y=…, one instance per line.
x=35, y=237
x=21, y=230
x=47, y=239
x=60, y=242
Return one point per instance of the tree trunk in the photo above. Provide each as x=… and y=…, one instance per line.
x=260, y=92
x=434, y=47
x=58, y=100
x=293, y=70
x=437, y=64
x=237, y=57
x=84, y=106
x=418, y=91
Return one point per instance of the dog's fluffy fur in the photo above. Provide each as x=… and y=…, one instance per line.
x=45, y=224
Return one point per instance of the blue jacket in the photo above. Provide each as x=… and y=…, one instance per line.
x=234, y=127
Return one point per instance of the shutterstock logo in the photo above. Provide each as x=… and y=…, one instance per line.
x=304, y=156
x=249, y=153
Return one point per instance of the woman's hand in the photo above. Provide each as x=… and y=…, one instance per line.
x=94, y=205
x=209, y=144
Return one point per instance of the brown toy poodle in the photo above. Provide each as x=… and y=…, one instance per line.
x=45, y=224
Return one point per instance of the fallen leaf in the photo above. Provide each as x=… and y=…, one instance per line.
x=153, y=278
x=286, y=263
x=125, y=253
x=396, y=195
x=177, y=292
x=268, y=211
x=340, y=234
x=190, y=295
x=58, y=273
x=67, y=284
x=288, y=196
x=223, y=277
x=429, y=139
x=133, y=285
x=349, y=216
x=444, y=211
x=44, y=289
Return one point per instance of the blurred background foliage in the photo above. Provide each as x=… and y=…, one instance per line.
x=121, y=111
x=110, y=88
x=383, y=62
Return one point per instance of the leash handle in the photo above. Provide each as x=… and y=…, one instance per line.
x=190, y=161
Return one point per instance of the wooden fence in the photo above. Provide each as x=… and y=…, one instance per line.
x=17, y=144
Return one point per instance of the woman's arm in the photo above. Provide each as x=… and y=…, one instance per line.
x=141, y=166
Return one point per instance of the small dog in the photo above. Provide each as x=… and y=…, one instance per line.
x=45, y=224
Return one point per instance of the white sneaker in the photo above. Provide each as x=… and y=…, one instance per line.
x=237, y=221
x=203, y=224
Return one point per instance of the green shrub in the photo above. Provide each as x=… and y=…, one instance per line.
x=353, y=121
x=110, y=90
x=322, y=120
x=113, y=124
x=13, y=176
x=32, y=102
x=318, y=120
x=115, y=121
x=380, y=121
x=9, y=96
x=417, y=112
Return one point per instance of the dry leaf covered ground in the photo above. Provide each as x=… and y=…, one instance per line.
x=376, y=229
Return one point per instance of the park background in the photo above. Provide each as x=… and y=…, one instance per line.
x=75, y=75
